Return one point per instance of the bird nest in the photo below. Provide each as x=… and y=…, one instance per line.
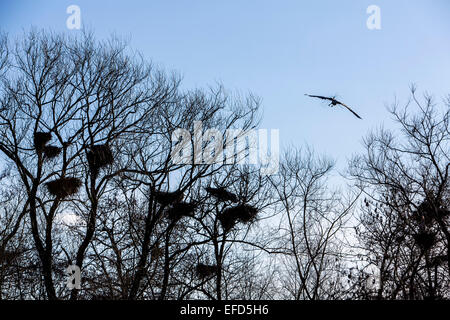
x=425, y=240
x=157, y=252
x=222, y=194
x=181, y=209
x=204, y=271
x=428, y=211
x=99, y=156
x=41, y=139
x=242, y=213
x=167, y=198
x=51, y=152
x=64, y=187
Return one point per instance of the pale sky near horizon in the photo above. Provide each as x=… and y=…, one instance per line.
x=279, y=50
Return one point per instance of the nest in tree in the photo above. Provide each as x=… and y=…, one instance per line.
x=227, y=221
x=51, y=152
x=426, y=212
x=205, y=271
x=99, y=156
x=422, y=218
x=181, y=209
x=222, y=194
x=243, y=213
x=166, y=198
x=64, y=187
x=41, y=139
x=425, y=240
x=429, y=209
x=157, y=252
x=429, y=215
x=246, y=213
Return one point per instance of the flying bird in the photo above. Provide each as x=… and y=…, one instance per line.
x=334, y=102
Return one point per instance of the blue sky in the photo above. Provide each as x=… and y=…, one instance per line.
x=279, y=50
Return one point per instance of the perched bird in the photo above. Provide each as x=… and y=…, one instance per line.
x=334, y=102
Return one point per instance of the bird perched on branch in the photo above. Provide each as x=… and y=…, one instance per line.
x=334, y=102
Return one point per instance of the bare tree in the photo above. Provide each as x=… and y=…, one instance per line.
x=312, y=221
x=88, y=141
x=4, y=53
x=226, y=231
x=68, y=103
x=404, y=223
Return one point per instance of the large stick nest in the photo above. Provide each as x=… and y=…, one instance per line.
x=64, y=187
x=41, y=139
x=425, y=240
x=204, y=271
x=167, y=198
x=241, y=213
x=222, y=194
x=99, y=156
x=51, y=152
x=181, y=209
x=428, y=211
x=157, y=252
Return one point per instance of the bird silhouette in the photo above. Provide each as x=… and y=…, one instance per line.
x=334, y=102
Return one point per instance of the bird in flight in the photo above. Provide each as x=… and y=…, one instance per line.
x=334, y=102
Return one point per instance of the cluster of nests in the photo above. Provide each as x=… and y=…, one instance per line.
x=176, y=207
x=241, y=213
x=41, y=140
x=427, y=212
x=231, y=216
x=99, y=156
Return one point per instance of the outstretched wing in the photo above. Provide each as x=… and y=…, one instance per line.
x=334, y=101
x=320, y=97
x=348, y=108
